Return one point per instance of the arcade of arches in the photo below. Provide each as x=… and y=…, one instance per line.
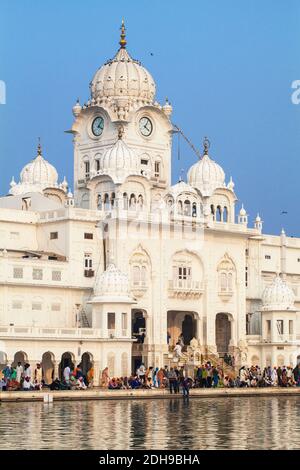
x=52, y=368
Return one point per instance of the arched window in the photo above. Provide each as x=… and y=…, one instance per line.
x=139, y=275
x=125, y=201
x=219, y=214
x=226, y=271
x=194, y=210
x=187, y=207
x=99, y=202
x=225, y=214
x=85, y=201
x=132, y=201
x=212, y=210
x=106, y=202
x=113, y=197
x=140, y=201
x=180, y=207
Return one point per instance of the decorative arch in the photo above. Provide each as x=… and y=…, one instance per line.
x=124, y=364
x=48, y=360
x=280, y=360
x=20, y=356
x=140, y=269
x=87, y=361
x=255, y=360
x=85, y=201
x=186, y=271
x=226, y=274
x=3, y=359
x=111, y=364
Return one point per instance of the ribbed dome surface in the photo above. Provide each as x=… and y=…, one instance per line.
x=119, y=162
x=123, y=77
x=112, y=282
x=36, y=176
x=182, y=187
x=206, y=175
x=278, y=296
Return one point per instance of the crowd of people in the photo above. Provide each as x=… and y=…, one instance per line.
x=23, y=377
x=205, y=376
x=173, y=378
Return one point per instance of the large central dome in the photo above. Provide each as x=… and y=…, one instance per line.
x=123, y=77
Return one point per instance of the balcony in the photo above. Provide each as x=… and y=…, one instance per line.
x=279, y=339
x=25, y=332
x=225, y=294
x=32, y=332
x=185, y=288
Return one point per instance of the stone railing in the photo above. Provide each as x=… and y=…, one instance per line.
x=59, y=333
x=185, y=288
x=47, y=332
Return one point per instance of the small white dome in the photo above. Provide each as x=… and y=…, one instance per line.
x=258, y=218
x=182, y=187
x=119, y=162
x=278, y=296
x=112, y=286
x=36, y=176
x=112, y=282
x=242, y=211
x=77, y=108
x=123, y=77
x=206, y=175
x=39, y=171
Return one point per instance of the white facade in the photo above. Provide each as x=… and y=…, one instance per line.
x=130, y=253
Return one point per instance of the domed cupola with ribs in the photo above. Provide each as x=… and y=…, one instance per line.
x=206, y=175
x=37, y=176
x=122, y=79
x=119, y=162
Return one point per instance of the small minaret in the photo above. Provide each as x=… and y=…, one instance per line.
x=258, y=223
x=283, y=245
x=243, y=217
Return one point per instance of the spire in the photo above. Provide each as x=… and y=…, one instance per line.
x=206, y=145
x=39, y=147
x=123, y=41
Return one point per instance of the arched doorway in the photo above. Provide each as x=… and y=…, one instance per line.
x=20, y=356
x=67, y=359
x=138, y=325
x=86, y=362
x=3, y=360
x=48, y=367
x=223, y=333
x=181, y=325
x=188, y=329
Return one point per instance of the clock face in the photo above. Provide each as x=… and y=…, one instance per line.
x=98, y=126
x=145, y=126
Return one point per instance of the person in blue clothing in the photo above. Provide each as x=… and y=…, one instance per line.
x=186, y=385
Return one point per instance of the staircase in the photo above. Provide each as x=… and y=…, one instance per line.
x=83, y=320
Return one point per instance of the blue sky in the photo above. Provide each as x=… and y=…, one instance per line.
x=225, y=65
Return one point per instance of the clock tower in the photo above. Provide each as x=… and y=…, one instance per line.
x=122, y=104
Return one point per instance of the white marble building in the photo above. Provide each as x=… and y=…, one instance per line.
x=83, y=276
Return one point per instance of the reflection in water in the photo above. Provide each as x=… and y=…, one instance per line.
x=203, y=423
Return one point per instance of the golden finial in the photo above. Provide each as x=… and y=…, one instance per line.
x=123, y=41
x=39, y=148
